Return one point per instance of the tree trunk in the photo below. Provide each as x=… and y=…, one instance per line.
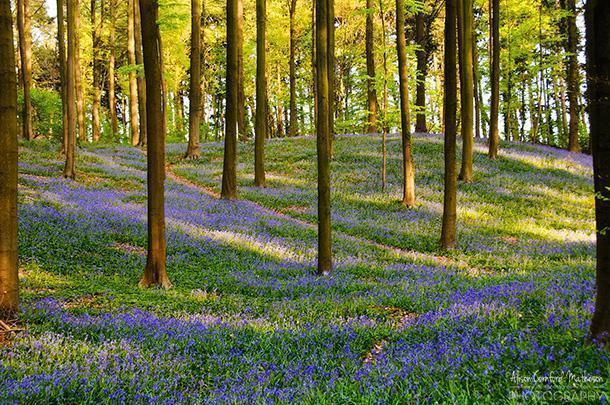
x=69, y=171
x=97, y=73
x=385, y=126
x=332, y=79
x=25, y=51
x=133, y=81
x=140, y=81
x=293, y=130
x=192, y=151
x=114, y=123
x=467, y=92
x=448, y=233
x=61, y=47
x=573, y=77
x=494, y=138
x=80, y=96
x=422, y=70
x=476, y=77
x=9, y=276
x=408, y=170
x=371, y=84
x=597, y=22
x=229, y=177
x=155, y=273
x=261, y=95
x=313, y=63
x=323, y=79
x=241, y=96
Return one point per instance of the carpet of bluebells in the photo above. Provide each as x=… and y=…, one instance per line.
x=502, y=318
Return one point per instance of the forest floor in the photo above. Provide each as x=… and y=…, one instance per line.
x=248, y=321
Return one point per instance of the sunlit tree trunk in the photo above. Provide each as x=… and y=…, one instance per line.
x=114, y=123
x=140, y=81
x=467, y=91
x=597, y=20
x=192, y=150
x=494, y=138
x=133, y=80
x=385, y=126
x=241, y=96
x=370, y=70
x=69, y=170
x=80, y=95
x=229, y=180
x=293, y=127
x=155, y=273
x=323, y=54
x=25, y=51
x=408, y=170
x=9, y=276
x=97, y=73
x=61, y=47
x=448, y=233
x=332, y=78
x=573, y=77
x=261, y=94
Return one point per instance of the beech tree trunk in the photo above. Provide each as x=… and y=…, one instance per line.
x=229, y=177
x=25, y=51
x=422, y=70
x=192, y=150
x=80, y=96
x=324, y=131
x=467, y=91
x=494, y=137
x=241, y=96
x=61, y=47
x=114, y=123
x=293, y=127
x=69, y=171
x=408, y=170
x=573, y=77
x=155, y=273
x=448, y=233
x=140, y=79
x=133, y=81
x=9, y=275
x=97, y=73
x=372, y=106
x=261, y=94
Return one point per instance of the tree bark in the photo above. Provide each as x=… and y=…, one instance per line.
x=9, y=276
x=293, y=127
x=25, y=50
x=69, y=171
x=324, y=77
x=155, y=273
x=80, y=96
x=371, y=84
x=97, y=73
x=385, y=126
x=597, y=22
x=332, y=79
x=422, y=70
x=241, y=96
x=261, y=94
x=140, y=80
x=467, y=91
x=448, y=233
x=229, y=177
x=114, y=123
x=133, y=81
x=192, y=150
x=494, y=138
x=573, y=77
x=61, y=47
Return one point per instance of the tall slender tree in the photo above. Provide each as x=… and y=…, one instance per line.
x=78, y=78
x=324, y=132
x=261, y=94
x=408, y=169
x=385, y=126
x=448, y=233
x=25, y=51
x=422, y=67
x=114, y=123
x=9, y=276
x=371, y=82
x=597, y=22
x=332, y=77
x=70, y=149
x=494, y=137
x=61, y=47
x=133, y=80
x=192, y=151
x=573, y=79
x=97, y=73
x=141, y=81
x=467, y=89
x=155, y=273
x=293, y=126
x=241, y=95
x=229, y=176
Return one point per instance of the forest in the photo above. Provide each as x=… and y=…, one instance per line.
x=304, y=201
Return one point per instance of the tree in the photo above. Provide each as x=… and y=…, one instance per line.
x=597, y=22
x=9, y=276
x=241, y=95
x=466, y=88
x=494, y=138
x=114, y=123
x=141, y=81
x=61, y=47
x=370, y=70
x=78, y=76
x=25, y=51
x=70, y=149
x=97, y=73
x=324, y=9
x=192, y=150
x=155, y=273
x=261, y=95
x=573, y=76
x=293, y=130
x=133, y=84
x=448, y=233
x=422, y=67
x=408, y=171
x=229, y=181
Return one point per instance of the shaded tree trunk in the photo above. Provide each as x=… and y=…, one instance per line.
x=573, y=79
x=114, y=123
x=155, y=273
x=293, y=127
x=448, y=233
x=80, y=94
x=25, y=51
x=61, y=47
x=332, y=77
x=467, y=91
x=69, y=171
x=241, y=96
x=133, y=81
x=192, y=150
x=261, y=94
x=385, y=126
x=422, y=70
x=408, y=170
x=140, y=79
x=229, y=176
x=597, y=20
x=476, y=77
x=370, y=70
x=494, y=138
x=9, y=275
x=97, y=73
